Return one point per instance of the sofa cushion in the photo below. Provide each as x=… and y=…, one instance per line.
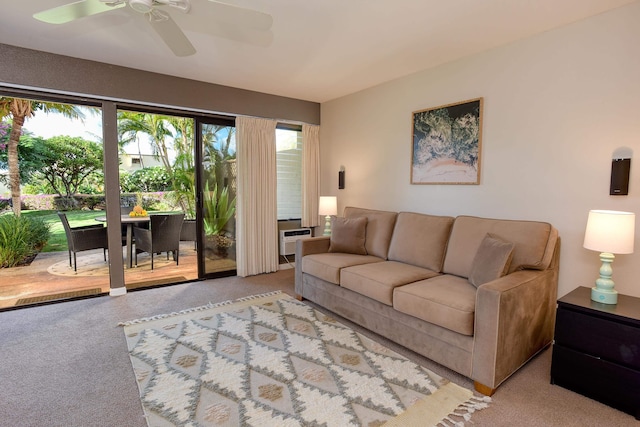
x=379, y=229
x=420, y=240
x=327, y=266
x=446, y=300
x=347, y=235
x=378, y=280
x=492, y=260
x=533, y=243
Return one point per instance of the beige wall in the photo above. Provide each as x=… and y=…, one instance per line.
x=556, y=107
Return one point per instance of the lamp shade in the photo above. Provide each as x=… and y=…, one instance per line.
x=328, y=205
x=610, y=231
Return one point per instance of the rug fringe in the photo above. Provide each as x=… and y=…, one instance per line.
x=194, y=309
x=464, y=411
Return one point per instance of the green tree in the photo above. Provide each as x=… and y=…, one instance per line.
x=68, y=162
x=18, y=110
x=145, y=180
x=30, y=156
x=155, y=126
x=184, y=176
x=167, y=134
x=217, y=142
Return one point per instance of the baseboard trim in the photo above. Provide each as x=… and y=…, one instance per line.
x=116, y=292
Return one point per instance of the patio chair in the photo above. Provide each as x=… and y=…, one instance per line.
x=83, y=239
x=163, y=235
x=189, y=232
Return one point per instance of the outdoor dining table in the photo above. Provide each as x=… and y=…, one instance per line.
x=128, y=221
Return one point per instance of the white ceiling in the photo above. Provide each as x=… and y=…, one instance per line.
x=317, y=50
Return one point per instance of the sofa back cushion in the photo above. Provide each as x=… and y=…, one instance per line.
x=420, y=240
x=379, y=229
x=533, y=243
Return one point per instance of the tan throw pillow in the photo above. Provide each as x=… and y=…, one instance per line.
x=492, y=260
x=348, y=235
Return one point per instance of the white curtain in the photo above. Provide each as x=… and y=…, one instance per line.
x=257, y=215
x=310, y=175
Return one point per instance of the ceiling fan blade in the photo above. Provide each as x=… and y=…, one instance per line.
x=236, y=15
x=243, y=35
x=72, y=11
x=173, y=36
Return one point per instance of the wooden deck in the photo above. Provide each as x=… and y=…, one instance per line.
x=49, y=276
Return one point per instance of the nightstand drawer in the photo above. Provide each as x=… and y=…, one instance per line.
x=606, y=382
x=612, y=341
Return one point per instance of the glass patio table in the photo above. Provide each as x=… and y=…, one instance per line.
x=128, y=221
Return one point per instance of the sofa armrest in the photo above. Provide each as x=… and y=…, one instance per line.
x=514, y=320
x=314, y=245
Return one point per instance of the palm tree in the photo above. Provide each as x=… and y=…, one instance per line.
x=19, y=109
x=160, y=129
x=184, y=178
x=131, y=124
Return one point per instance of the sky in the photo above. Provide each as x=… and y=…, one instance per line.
x=47, y=125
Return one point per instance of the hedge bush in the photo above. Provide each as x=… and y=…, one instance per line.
x=20, y=239
x=160, y=200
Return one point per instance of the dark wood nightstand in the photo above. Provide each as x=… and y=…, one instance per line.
x=597, y=349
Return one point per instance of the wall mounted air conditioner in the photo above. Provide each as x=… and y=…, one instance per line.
x=288, y=239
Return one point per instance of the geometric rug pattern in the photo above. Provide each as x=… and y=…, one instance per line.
x=271, y=360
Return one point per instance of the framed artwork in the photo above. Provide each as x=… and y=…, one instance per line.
x=446, y=144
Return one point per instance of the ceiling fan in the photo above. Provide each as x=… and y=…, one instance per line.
x=227, y=17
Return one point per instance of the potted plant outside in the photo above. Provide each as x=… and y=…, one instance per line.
x=218, y=210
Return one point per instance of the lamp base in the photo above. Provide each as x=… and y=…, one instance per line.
x=327, y=225
x=603, y=291
x=605, y=296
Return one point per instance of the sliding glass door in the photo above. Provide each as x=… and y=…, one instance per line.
x=157, y=177
x=217, y=201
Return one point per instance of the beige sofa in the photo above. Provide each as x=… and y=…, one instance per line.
x=476, y=295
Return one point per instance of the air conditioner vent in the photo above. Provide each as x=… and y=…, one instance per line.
x=288, y=239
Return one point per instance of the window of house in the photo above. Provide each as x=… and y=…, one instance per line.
x=289, y=171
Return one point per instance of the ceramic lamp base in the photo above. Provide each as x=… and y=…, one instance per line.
x=603, y=291
x=605, y=296
x=327, y=225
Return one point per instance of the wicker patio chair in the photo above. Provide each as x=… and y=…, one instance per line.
x=83, y=238
x=163, y=235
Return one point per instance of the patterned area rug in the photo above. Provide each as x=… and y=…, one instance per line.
x=270, y=360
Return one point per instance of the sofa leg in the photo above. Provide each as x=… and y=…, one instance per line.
x=299, y=297
x=483, y=389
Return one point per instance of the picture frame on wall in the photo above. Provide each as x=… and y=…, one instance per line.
x=446, y=144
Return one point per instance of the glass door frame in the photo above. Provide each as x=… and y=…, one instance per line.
x=200, y=121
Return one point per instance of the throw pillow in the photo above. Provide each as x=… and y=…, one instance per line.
x=348, y=235
x=492, y=260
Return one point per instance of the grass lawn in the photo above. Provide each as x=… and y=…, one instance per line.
x=58, y=240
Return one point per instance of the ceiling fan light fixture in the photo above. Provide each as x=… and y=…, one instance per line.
x=142, y=6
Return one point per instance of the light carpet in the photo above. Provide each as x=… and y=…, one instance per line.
x=270, y=360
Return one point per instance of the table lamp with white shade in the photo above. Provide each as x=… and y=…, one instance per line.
x=327, y=206
x=608, y=232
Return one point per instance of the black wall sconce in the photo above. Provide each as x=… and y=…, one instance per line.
x=620, y=168
x=341, y=178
